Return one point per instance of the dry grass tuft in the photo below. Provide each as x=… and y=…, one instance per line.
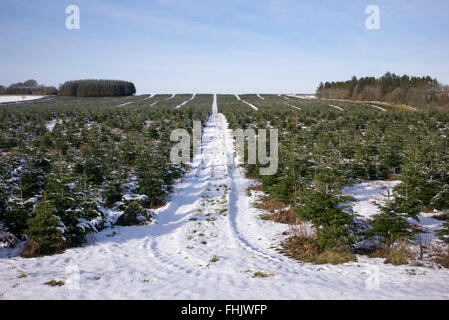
x=398, y=254
x=33, y=249
x=303, y=246
x=278, y=211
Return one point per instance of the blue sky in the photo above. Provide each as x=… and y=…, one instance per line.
x=230, y=46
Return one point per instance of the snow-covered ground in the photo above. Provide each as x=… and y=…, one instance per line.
x=18, y=98
x=208, y=243
x=367, y=194
x=302, y=96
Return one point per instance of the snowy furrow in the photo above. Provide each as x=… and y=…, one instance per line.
x=377, y=107
x=292, y=106
x=185, y=102
x=336, y=107
x=249, y=104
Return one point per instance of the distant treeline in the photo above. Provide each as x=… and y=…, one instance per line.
x=97, y=88
x=414, y=91
x=29, y=87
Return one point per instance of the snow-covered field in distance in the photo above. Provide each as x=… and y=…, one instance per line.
x=18, y=98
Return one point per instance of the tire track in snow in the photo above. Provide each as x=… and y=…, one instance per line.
x=165, y=250
x=238, y=207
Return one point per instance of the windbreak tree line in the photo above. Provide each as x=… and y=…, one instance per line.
x=97, y=88
x=29, y=87
x=70, y=167
x=323, y=149
x=414, y=91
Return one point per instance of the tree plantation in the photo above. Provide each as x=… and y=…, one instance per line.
x=67, y=162
x=327, y=145
x=71, y=167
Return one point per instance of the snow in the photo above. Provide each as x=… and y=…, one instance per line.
x=209, y=213
x=18, y=98
x=377, y=107
x=292, y=106
x=260, y=96
x=185, y=102
x=125, y=104
x=309, y=97
x=51, y=124
x=252, y=106
x=367, y=194
x=214, y=104
x=336, y=107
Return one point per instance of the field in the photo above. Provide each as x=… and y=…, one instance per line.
x=89, y=192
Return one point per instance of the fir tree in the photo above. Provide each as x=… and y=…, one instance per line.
x=443, y=232
x=389, y=224
x=323, y=208
x=45, y=231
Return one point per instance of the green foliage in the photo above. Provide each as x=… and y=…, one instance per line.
x=97, y=88
x=29, y=87
x=324, y=210
x=443, y=232
x=334, y=148
x=17, y=217
x=441, y=199
x=44, y=231
x=390, y=224
x=133, y=214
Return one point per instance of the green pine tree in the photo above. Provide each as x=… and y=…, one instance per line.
x=390, y=224
x=324, y=210
x=443, y=232
x=44, y=231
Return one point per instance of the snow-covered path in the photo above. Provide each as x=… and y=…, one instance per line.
x=207, y=244
x=185, y=102
x=249, y=104
x=292, y=106
x=336, y=107
x=377, y=107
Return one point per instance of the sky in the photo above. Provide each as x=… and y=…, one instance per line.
x=227, y=46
